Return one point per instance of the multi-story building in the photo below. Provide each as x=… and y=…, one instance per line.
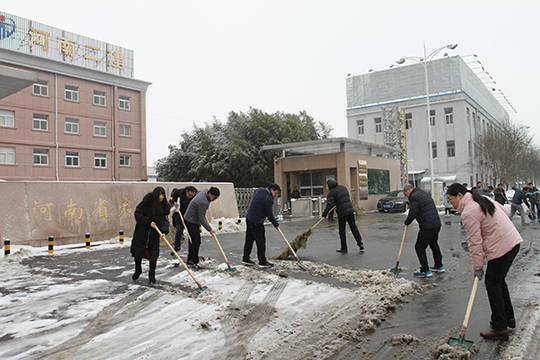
x=85, y=116
x=461, y=108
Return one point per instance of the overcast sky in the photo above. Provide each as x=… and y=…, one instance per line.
x=206, y=58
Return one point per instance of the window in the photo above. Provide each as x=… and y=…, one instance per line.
x=123, y=102
x=100, y=160
x=360, y=125
x=434, y=150
x=72, y=126
x=451, y=148
x=449, y=115
x=311, y=183
x=432, y=117
x=41, y=156
x=40, y=122
x=125, y=130
x=7, y=118
x=470, y=149
x=378, y=181
x=72, y=93
x=72, y=158
x=7, y=155
x=100, y=129
x=125, y=160
x=378, y=125
x=468, y=116
x=99, y=98
x=408, y=121
x=41, y=88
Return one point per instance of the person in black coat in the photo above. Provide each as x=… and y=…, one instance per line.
x=151, y=211
x=423, y=209
x=180, y=200
x=259, y=209
x=339, y=197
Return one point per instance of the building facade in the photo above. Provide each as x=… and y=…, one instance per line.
x=461, y=108
x=84, y=118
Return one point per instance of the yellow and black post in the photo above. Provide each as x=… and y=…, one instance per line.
x=87, y=236
x=7, y=247
x=121, y=236
x=220, y=225
x=238, y=222
x=51, y=244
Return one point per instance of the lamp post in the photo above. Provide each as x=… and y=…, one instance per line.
x=424, y=61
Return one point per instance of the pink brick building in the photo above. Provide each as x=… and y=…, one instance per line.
x=84, y=118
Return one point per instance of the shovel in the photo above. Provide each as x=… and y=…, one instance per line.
x=292, y=250
x=201, y=288
x=230, y=269
x=461, y=341
x=397, y=270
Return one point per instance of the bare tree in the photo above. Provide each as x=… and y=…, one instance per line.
x=508, y=154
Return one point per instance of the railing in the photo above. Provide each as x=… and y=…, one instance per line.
x=243, y=199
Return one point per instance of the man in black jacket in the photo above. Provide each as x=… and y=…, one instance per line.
x=339, y=197
x=181, y=199
x=423, y=209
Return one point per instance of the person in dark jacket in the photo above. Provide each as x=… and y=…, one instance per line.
x=151, y=211
x=181, y=199
x=295, y=194
x=196, y=216
x=259, y=209
x=520, y=195
x=338, y=196
x=423, y=209
x=534, y=199
x=500, y=195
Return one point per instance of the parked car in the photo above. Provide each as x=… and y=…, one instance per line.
x=395, y=201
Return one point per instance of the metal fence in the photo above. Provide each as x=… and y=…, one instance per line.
x=243, y=199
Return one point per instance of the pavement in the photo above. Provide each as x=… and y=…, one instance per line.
x=433, y=316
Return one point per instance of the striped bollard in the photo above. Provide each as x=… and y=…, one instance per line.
x=121, y=236
x=238, y=222
x=200, y=229
x=87, y=236
x=51, y=244
x=220, y=225
x=7, y=247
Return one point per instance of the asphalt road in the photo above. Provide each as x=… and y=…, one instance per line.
x=433, y=316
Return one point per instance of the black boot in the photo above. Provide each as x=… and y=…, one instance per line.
x=138, y=268
x=152, y=272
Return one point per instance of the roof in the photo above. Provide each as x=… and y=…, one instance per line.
x=332, y=145
x=13, y=80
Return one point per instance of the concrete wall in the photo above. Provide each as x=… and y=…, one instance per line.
x=33, y=211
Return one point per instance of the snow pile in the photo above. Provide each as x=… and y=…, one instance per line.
x=249, y=314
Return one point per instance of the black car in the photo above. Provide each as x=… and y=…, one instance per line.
x=395, y=201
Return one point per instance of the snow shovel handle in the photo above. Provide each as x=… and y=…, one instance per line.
x=290, y=247
x=402, y=242
x=176, y=254
x=220, y=248
x=318, y=222
x=469, y=306
x=185, y=228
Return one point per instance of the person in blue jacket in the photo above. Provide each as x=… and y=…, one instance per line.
x=259, y=209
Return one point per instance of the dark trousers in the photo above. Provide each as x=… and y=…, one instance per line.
x=255, y=233
x=428, y=237
x=354, y=229
x=195, y=244
x=178, y=236
x=151, y=272
x=533, y=205
x=498, y=294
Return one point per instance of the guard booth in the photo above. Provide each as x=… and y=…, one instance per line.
x=369, y=171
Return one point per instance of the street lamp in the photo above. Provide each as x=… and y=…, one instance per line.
x=424, y=61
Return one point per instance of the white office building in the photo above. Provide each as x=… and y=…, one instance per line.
x=461, y=107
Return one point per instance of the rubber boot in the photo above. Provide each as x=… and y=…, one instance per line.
x=138, y=268
x=152, y=272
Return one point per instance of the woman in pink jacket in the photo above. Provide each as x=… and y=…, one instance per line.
x=491, y=235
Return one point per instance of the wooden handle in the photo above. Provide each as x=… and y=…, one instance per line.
x=402, y=242
x=471, y=302
x=290, y=247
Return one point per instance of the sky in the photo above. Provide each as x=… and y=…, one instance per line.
x=207, y=58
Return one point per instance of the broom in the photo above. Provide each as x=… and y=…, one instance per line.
x=299, y=242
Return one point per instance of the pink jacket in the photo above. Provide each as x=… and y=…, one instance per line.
x=488, y=236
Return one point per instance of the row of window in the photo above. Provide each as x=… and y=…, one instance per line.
x=41, y=122
x=450, y=149
x=448, y=114
x=41, y=157
x=71, y=93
